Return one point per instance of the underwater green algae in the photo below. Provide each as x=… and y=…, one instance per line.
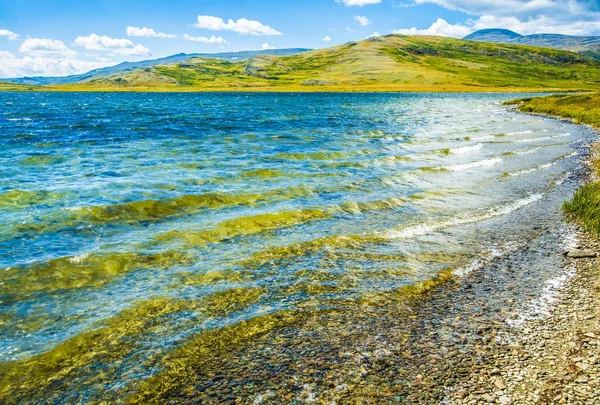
x=42, y=160
x=15, y=199
x=108, y=343
x=206, y=354
x=378, y=205
x=245, y=226
x=213, y=277
x=316, y=156
x=264, y=174
x=155, y=210
x=152, y=210
x=274, y=255
x=93, y=270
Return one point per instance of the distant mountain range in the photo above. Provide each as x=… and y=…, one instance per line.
x=588, y=45
x=489, y=59
x=130, y=66
x=390, y=63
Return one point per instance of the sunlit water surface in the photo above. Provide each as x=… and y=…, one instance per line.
x=201, y=210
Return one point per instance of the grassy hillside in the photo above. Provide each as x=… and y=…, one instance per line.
x=389, y=63
x=128, y=66
x=582, y=109
x=15, y=87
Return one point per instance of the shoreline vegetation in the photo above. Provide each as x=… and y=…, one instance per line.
x=582, y=109
x=391, y=63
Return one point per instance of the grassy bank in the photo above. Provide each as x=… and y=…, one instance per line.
x=581, y=109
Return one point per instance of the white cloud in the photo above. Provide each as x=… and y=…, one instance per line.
x=515, y=7
x=540, y=24
x=267, y=46
x=374, y=35
x=241, y=26
x=147, y=33
x=11, y=35
x=205, y=40
x=327, y=38
x=362, y=20
x=571, y=17
x=441, y=27
x=115, y=46
x=358, y=3
x=12, y=66
x=46, y=47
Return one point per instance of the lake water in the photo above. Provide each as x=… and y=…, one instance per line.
x=131, y=224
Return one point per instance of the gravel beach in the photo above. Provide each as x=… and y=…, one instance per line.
x=554, y=360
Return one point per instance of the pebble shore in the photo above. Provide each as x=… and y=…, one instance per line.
x=555, y=360
x=552, y=360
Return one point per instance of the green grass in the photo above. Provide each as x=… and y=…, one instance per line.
x=582, y=109
x=585, y=207
x=390, y=63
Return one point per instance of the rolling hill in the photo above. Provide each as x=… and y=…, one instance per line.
x=388, y=63
x=128, y=66
x=589, y=45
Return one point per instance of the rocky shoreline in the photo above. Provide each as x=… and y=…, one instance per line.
x=554, y=360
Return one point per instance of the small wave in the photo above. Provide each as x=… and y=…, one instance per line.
x=562, y=179
x=542, y=166
x=20, y=119
x=473, y=165
x=520, y=133
x=482, y=261
x=522, y=152
x=540, y=307
x=466, y=149
x=544, y=138
x=531, y=170
x=527, y=151
x=424, y=229
x=484, y=138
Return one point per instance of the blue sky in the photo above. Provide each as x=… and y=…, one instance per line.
x=60, y=37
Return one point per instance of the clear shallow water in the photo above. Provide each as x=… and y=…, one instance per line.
x=154, y=217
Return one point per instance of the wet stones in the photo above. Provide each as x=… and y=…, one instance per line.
x=581, y=254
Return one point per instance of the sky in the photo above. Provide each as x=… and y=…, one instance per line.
x=62, y=37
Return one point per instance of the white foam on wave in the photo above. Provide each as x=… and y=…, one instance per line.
x=79, y=258
x=540, y=308
x=461, y=167
x=544, y=138
x=533, y=169
x=466, y=149
x=520, y=133
x=492, y=254
x=484, y=138
x=542, y=166
x=562, y=179
x=527, y=151
x=463, y=219
x=20, y=119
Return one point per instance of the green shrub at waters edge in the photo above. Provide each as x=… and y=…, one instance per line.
x=585, y=207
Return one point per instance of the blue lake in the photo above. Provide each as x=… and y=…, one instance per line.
x=152, y=218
